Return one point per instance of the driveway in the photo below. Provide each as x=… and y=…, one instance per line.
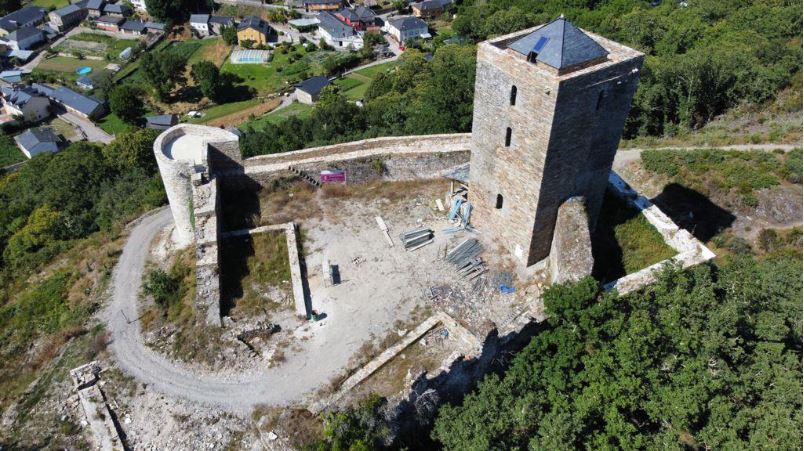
x=92, y=132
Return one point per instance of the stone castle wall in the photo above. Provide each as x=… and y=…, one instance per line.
x=563, y=138
x=391, y=158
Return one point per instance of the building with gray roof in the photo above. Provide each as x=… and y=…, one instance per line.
x=30, y=16
x=66, y=17
x=337, y=33
x=25, y=38
x=35, y=141
x=309, y=90
x=86, y=106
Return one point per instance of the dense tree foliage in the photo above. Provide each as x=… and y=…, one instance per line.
x=176, y=11
x=702, y=57
x=163, y=71
x=126, y=101
x=416, y=97
x=212, y=83
x=57, y=198
x=360, y=428
x=705, y=358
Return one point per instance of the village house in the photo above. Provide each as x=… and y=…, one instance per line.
x=95, y=8
x=35, y=141
x=360, y=18
x=25, y=38
x=25, y=103
x=109, y=23
x=256, y=30
x=406, y=28
x=116, y=10
x=82, y=105
x=429, y=8
x=139, y=5
x=309, y=90
x=209, y=25
x=337, y=33
x=133, y=27
x=85, y=83
x=30, y=16
x=322, y=5
x=66, y=17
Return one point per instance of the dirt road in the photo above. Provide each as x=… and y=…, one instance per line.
x=284, y=385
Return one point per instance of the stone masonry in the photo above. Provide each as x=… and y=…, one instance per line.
x=571, y=252
x=565, y=127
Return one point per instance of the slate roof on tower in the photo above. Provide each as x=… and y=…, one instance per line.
x=559, y=44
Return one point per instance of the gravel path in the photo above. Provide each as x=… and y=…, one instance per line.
x=279, y=386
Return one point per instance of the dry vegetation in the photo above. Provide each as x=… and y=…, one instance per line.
x=237, y=118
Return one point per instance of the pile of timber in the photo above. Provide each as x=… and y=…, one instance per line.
x=466, y=258
x=416, y=238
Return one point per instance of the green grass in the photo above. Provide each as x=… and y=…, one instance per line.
x=372, y=71
x=280, y=73
x=48, y=3
x=707, y=171
x=224, y=110
x=624, y=241
x=9, y=152
x=62, y=127
x=64, y=67
x=251, y=265
x=203, y=52
x=297, y=109
x=112, y=124
x=113, y=45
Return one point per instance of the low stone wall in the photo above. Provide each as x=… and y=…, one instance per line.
x=206, y=206
x=376, y=363
x=289, y=228
x=690, y=250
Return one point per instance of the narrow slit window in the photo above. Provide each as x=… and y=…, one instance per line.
x=513, y=95
x=508, y=137
x=499, y=203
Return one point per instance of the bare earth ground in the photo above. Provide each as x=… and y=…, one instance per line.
x=779, y=207
x=382, y=294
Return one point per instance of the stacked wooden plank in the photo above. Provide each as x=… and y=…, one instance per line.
x=416, y=238
x=466, y=258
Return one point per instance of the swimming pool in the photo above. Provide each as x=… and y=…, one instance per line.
x=83, y=70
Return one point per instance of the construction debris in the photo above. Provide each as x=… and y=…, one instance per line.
x=384, y=229
x=465, y=257
x=417, y=238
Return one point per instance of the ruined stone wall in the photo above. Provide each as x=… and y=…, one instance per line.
x=571, y=251
x=562, y=141
x=206, y=201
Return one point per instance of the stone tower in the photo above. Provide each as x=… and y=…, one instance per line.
x=549, y=109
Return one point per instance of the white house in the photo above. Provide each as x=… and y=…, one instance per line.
x=337, y=33
x=25, y=38
x=200, y=24
x=34, y=141
x=26, y=103
x=406, y=28
x=139, y=5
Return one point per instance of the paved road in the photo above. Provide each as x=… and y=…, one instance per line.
x=92, y=132
x=279, y=386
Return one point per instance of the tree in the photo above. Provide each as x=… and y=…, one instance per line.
x=163, y=71
x=704, y=358
x=208, y=78
x=7, y=6
x=229, y=35
x=126, y=102
x=247, y=43
x=132, y=149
